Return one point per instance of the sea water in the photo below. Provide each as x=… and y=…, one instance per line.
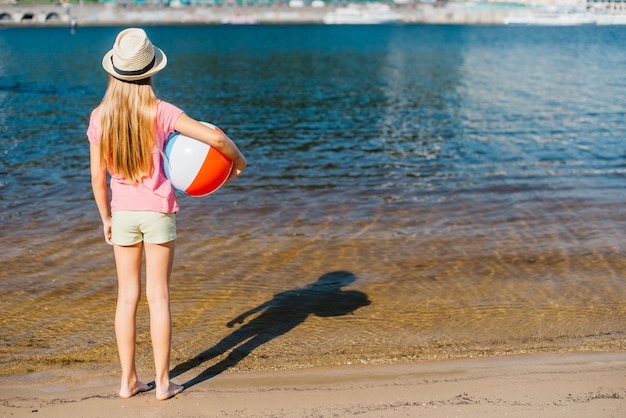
x=413, y=192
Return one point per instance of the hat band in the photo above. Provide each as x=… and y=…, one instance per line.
x=133, y=72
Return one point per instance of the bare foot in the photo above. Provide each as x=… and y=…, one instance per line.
x=127, y=392
x=171, y=391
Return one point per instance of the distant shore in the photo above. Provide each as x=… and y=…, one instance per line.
x=110, y=14
x=317, y=12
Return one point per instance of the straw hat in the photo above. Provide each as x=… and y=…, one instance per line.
x=133, y=56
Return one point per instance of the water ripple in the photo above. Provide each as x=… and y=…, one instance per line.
x=469, y=178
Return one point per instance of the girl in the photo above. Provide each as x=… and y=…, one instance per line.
x=127, y=132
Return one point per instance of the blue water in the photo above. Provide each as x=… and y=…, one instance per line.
x=456, y=171
x=400, y=113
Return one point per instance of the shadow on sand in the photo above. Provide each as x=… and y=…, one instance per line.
x=277, y=316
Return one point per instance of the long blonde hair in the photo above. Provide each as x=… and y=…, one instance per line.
x=127, y=128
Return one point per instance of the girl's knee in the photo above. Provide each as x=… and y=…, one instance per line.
x=128, y=301
x=158, y=296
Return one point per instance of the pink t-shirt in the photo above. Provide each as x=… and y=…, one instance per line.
x=154, y=193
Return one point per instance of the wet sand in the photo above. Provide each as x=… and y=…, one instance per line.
x=289, y=302
x=572, y=385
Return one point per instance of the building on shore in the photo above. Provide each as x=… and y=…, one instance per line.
x=126, y=12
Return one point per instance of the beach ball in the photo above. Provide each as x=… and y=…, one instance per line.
x=194, y=167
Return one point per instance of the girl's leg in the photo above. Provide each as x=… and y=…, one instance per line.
x=159, y=260
x=128, y=264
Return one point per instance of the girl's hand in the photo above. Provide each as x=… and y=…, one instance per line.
x=106, y=226
x=238, y=166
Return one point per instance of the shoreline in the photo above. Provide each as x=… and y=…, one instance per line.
x=455, y=13
x=547, y=385
x=52, y=15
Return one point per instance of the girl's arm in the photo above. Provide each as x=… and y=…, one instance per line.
x=215, y=138
x=100, y=190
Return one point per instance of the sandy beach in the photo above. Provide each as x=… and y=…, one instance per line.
x=540, y=385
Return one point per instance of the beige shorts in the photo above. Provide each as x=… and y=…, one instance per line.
x=133, y=227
